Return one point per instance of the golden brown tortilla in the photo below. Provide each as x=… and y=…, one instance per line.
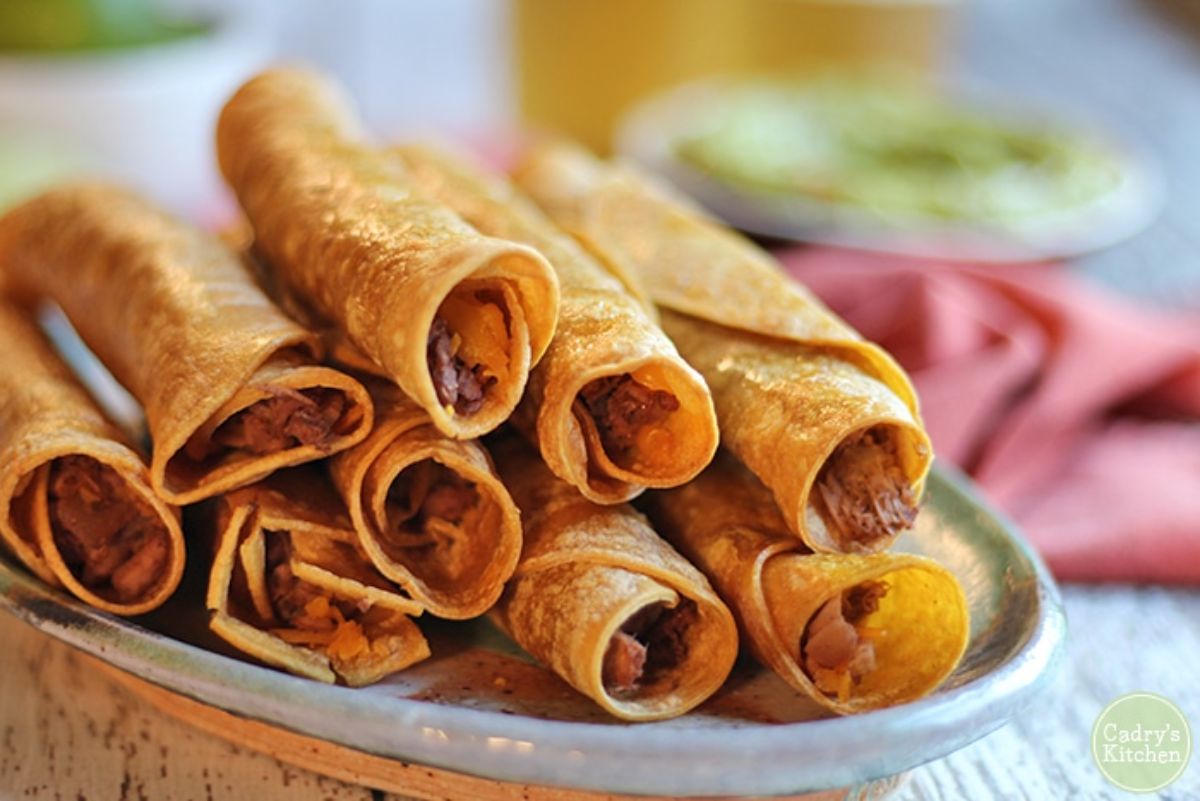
x=181, y=324
x=76, y=506
x=608, y=361
x=597, y=589
x=827, y=420
x=398, y=274
x=289, y=586
x=429, y=510
x=727, y=524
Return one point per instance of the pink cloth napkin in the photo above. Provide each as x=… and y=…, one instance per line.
x=1077, y=411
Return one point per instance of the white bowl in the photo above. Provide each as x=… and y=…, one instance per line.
x=144, y=116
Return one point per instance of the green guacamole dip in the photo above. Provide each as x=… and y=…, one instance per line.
x=896, y=150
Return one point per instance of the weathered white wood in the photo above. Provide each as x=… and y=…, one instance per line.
x=356, y=767
x=1120, y=640
x=68, y=732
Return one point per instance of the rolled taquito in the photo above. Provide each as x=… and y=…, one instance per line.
x=455, y=318
x=289, y=586
x=76, y=506
x=429, y=510
x=612, y=406
x=826, y=419
x=607, y=604
x=231, y=387
x=853, y=632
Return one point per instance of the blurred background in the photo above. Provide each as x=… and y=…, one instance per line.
x=132, y=86
x=1005, y=193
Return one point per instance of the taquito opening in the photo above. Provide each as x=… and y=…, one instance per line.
x=109, y=537
x=286, y=418
x=343, y=629
x=638, y=418
x=648, y=647
x=429, y=518
x=868, y=632
x=470, y=344
x=863, y=492
x=837, y=649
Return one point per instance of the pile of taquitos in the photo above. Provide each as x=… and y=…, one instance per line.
x=324, y=396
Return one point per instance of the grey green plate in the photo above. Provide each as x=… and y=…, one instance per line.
x=481, y=707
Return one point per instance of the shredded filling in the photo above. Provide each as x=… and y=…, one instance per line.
x=623, y=408
x=314, y=618
x=431, y=504
x=649, y=644
x=467, y=349
x=105, y=533
x=837, y=647
x=458, y=385
x=288, y=419
x=864, y=494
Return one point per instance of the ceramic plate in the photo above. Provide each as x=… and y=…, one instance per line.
x=482, y=707
x=647, y=134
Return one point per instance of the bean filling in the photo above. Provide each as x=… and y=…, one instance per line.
x=650, y=643
x=108, y=537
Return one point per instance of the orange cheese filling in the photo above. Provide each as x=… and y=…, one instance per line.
x=480, y=333
x=840, y=680
x=635, y=415
x=341, y=639
x=838, y=647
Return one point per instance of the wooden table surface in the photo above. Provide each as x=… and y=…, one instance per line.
x=68, y=732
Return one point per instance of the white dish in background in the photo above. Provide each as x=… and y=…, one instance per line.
x=649, y=132
x=481, y=707
x=142, y=115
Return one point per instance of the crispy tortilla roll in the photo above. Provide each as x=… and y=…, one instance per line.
x=429, y=510
x=607, y=604
x=827, y=420
x=853, y=631
x=75, y=500
x=229, y=384
x=289, y=586
x=453, y=317
x=612, y=406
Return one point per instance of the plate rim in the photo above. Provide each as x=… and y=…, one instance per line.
x=645, y=132
x=516, y=748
